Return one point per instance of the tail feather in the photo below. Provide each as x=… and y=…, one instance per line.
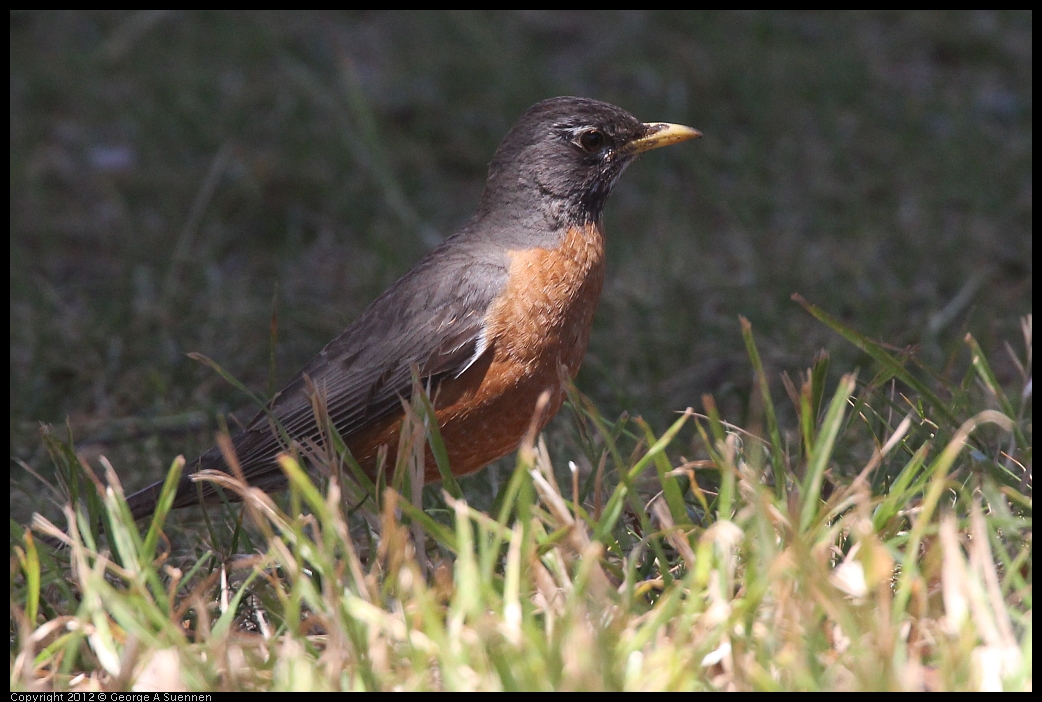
x=143, y=503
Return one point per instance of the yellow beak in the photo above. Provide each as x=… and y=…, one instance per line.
x=662, y=134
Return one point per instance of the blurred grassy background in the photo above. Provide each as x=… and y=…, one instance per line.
x=170, y=170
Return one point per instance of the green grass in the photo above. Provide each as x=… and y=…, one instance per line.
x=179, y=181
x=913, y=574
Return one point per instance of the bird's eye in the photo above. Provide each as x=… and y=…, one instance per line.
x=592, y=140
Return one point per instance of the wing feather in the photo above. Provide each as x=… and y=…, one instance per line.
x=433, y=318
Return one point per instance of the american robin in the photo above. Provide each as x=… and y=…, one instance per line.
x=488, y=317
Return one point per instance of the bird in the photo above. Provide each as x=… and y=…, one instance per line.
x=488, y=318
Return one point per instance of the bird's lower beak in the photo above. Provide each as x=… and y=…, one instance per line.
x=662, y=134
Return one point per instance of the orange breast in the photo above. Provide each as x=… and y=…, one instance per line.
x=539, y=322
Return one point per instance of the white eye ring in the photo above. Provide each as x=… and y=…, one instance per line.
x=592, y=140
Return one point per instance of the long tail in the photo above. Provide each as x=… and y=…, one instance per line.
x=143, y=503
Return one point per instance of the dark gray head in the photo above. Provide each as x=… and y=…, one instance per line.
x=562, y=159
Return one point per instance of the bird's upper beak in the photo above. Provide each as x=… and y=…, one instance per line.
x=662, y=134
